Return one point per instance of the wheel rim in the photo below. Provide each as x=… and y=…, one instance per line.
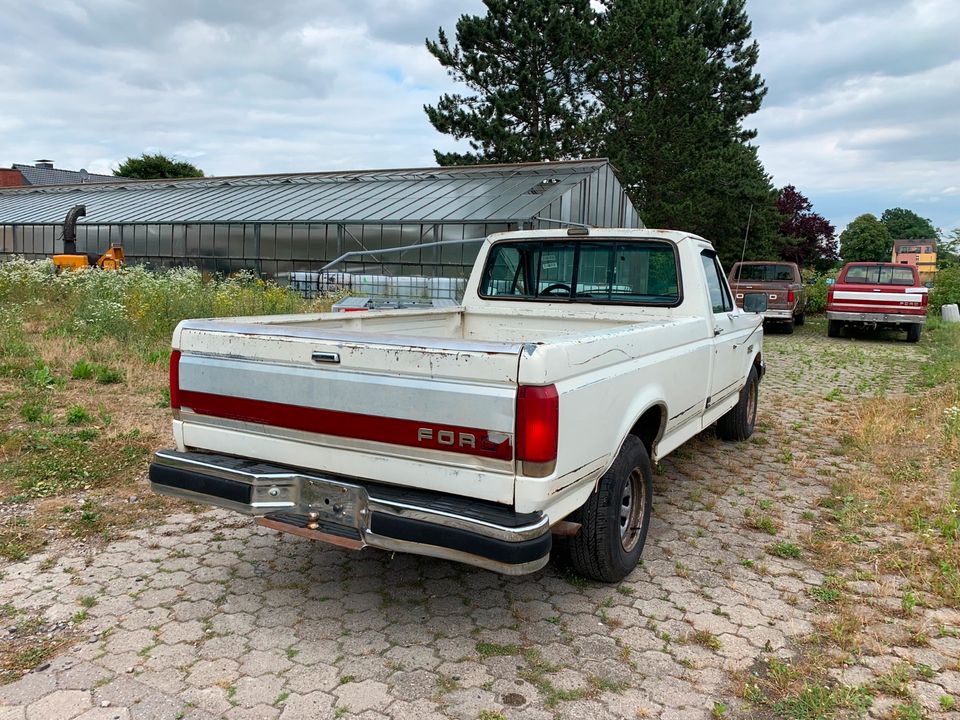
x=632, y=509
x=752, y=403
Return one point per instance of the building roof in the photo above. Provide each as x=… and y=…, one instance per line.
x=34, y=175
x=478, y=193
x=897, y=244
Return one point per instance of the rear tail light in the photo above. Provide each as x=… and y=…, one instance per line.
x=790, y=296
x=175, y=379
x=538, y=420
x=829, y=296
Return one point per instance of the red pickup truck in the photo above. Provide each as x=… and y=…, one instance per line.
x=877, y=295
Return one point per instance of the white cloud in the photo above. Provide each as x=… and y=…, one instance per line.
x=862, y=113
x=864, y=104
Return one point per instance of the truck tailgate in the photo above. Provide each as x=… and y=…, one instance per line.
x=887, y=299
x=778, y=293
x=441, y=410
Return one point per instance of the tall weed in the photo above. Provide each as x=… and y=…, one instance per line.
x=136, y=304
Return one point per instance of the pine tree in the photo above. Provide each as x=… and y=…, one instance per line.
x=660, y=87
x=674, y=81
x=524, y=64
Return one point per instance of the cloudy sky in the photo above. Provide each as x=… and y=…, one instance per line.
x=863, y=111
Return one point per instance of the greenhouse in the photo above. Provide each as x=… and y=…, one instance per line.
x=276, y=225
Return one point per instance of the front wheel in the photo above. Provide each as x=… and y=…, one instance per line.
x=913, y=333
x=615, y=518
x=739, y=422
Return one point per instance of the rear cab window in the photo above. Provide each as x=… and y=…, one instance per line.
x=638, y=272
x=879, y=275
x=767, y=272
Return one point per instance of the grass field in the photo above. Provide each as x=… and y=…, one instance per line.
x=83, y=390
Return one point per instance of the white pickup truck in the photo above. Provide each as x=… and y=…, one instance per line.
x=476, y=433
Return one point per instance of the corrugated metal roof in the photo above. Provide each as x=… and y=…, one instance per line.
x=480, y=193
x=33, y=175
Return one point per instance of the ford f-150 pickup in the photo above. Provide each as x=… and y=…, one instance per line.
x=877, y=295
x=577, y=358
x=783, y=284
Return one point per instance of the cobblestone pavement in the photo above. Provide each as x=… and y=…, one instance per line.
x=209, y=616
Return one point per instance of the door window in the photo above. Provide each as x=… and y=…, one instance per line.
x=720, y=299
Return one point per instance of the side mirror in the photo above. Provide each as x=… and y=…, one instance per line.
x=830, y=281
x=755, y=302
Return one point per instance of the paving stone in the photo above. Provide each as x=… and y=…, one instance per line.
x=307, y=707
x=59, y=705
x=365, y=695
x=218, y=618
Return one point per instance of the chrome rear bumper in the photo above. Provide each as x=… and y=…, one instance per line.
x=778, y=314
x=354, y=513
x=867, y=317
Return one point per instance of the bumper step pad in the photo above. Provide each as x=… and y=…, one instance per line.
x=303, y=526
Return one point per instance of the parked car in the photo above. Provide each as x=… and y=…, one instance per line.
x=781, y=281
x=577, y=359
x=877, y=295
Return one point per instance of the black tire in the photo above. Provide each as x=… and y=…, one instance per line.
x=913, y=332
x=834, y=328
x=788, y=327
x=739, y=422
x=800, y=319
x=614, y=526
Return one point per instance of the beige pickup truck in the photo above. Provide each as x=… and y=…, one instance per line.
x=781, y=281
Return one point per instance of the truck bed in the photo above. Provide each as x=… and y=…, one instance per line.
x=353, y=391
x=450, y=324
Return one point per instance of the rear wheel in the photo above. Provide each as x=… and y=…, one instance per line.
x=834, y=328
x=800, y=319
x=739, y=422
x=913, y=332
x=788, y=327
x=615, y=518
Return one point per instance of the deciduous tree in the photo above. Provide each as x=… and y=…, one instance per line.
x=866, y=239
x=811, y=239
x=907, y=225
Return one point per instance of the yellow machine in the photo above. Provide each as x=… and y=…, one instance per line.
x=112, y=259
x=70, y=259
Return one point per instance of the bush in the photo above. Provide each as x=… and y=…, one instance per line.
x=817, y=292
x=946, y=289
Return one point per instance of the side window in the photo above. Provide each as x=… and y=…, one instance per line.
x=506, y=272
x=720, y=299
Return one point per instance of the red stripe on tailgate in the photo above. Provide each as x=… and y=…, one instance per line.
x=412, y=433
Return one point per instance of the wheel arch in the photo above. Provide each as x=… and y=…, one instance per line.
x=649, y=427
